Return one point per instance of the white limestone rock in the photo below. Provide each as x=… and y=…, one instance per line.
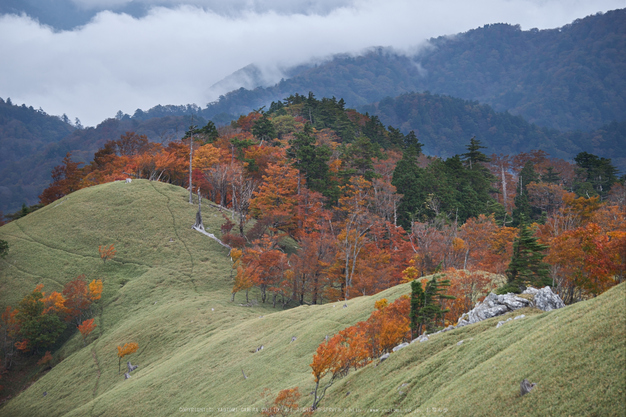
x=400, y=346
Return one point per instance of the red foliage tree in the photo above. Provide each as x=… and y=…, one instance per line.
x=66, y=178
x=77, y=301
x=86, y=327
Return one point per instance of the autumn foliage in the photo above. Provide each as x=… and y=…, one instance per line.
x=328, y=204
x=106, y=253
x=41, y=318
x=125, y=350
x=357, y=345
x=86, y=327
x=45, y=359
x=285, y=403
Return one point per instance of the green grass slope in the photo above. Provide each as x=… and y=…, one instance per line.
x=168, y=289
x=576, y=355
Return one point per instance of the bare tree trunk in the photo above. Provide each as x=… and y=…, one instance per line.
x=504, y=196
x=190, y=169
x=199, y=224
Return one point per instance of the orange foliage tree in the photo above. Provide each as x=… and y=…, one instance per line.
x=125, y=350
x=276, y=199
x=330, y=358
x=66, y=178
x=356, y=222
x=285, y=403
x=587, y=264
x=468, y=288
x=95, y=290
x=55, y=302
x=265, y=264
x=242, y=279
x=486, y=246
x=356, y=345
x=86, y=327
x=387, y=326
x=106, y=253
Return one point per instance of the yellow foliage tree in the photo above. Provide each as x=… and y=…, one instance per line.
x=122, y=351
x=95, y=290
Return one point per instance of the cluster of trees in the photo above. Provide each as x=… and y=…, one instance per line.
x=356, y=346
x=344, y=206
x=40, y=318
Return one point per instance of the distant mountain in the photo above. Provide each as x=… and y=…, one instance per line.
x=33, y=142
x=24, y=133
x=569, y=78
x=444, y=124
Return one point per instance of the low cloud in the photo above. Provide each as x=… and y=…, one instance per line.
x=173, y=55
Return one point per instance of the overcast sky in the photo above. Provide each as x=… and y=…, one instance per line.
x=172, y=53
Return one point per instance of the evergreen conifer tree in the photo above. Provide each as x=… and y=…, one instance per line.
x=417, y=303
x=527, y=267
x=408, y=179
x=426, y=307
x=474, y=155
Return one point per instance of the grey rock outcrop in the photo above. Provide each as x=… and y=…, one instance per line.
x=544, y=299
x=496, y=305
x=400, y=346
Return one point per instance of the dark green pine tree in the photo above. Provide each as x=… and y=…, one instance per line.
x=473, y=183
x=417, y=303
x=474, y=156
x=376, y=131
x=408, y=178
x=312, y=162
x=551, y=176
x=359, y=156
x=434, y=294
x=209, y=132
x=426, y=309
x=263, y=129
x=527, y=267
x=599, y=172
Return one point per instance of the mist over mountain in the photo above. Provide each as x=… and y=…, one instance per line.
x=570, y=78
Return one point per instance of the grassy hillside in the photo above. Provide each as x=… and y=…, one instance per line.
x=577, y=357
x=168, y=289
x=171, y=297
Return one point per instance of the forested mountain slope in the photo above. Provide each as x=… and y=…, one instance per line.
x=25, y=133
x=567, y=78
x=442, y=123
